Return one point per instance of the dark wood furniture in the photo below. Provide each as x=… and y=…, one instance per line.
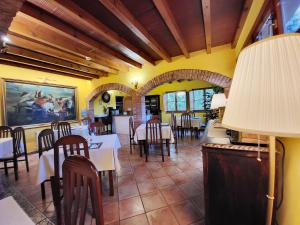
x=174, y=129
x=45, y=143
x=64, y=129
x=5, y=132
x=19, y=149
x=154, y=136
x=98, y=128
x=71, y=145
x=235, y=184
x=185, y=124
x=152, y=103
x=81, y=179
x=54, y=125
x=131, y=134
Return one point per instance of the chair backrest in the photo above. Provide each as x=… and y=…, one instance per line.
x=45, y=140
x=80, y=178
x=71, y=145
x=5, y=132
x=153, y=131
x=131, y=127
x=86, y=121
x=173, y=122
x=19, y=141
x=186, y=120
x=54, y=125
x=98, y=128
x=64, y=129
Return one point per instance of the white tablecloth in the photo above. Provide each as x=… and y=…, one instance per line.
x=6, y=147
x=81, y=130
x=196, y=122
x=12, y=214
x=105, y=158
x=140, y=133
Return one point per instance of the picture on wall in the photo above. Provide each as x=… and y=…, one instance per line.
x=35, y=103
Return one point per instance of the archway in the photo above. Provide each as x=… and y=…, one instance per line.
x=187, y=74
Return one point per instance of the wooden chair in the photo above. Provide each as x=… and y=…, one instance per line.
x=154, y=136
x=45, y=143
x=98, y=128
x=19, y=150
x=54, y=125
x=131, y=134
x=64, y=129
x=186, y=124
x=80, y=177
x=174, y=129
x=5, y=132
x=71, y=145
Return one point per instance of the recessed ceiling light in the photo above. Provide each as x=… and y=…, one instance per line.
x=5, y=39
x=88, y=58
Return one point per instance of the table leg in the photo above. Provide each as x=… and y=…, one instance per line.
x=168, y=146
x=111, y=183
x=141, y=148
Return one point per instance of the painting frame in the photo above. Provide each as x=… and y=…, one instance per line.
x=4, y=82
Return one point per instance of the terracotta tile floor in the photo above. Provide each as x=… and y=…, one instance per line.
x=153, y=193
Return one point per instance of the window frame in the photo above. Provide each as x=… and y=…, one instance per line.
x=176, y=109
x=205, y=109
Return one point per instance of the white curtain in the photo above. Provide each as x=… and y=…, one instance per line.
x=191, y=94
x=165, y=102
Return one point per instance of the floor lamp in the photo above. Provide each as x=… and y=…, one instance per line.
x=264, y=96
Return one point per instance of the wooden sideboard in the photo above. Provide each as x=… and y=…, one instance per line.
x=235, y=184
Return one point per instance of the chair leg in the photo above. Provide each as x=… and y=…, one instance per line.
x=168, y=146
x=111, y=183
x=26, y=161
x=56, y=200
x=43, y=190
x=141, y=148
x=162, y=152
x=130, y=147
x=146, y=146
x=16, y=169
x=5, y=168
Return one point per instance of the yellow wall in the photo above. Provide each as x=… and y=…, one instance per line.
x=84, y=87
x=99, y=109
x=221, y=60
x=176, y=86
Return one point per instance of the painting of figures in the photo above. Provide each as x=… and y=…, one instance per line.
x=34, y=104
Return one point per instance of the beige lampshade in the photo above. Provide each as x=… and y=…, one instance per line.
x=218, y=100
x=264, y=96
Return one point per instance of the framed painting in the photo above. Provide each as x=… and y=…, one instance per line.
x=33, y=104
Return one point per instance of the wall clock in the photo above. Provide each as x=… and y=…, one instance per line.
x=106, y=97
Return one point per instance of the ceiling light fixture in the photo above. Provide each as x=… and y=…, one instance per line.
x=5, y=39
x=88, y=58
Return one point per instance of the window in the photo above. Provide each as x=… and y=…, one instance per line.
x=200, y=99
x=290, y=15
x=175, y=101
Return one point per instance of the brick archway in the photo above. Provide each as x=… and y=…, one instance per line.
x=187, y=74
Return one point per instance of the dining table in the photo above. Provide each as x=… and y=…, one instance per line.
x=7, y=149
x=82, y=130
x=103, y=152
x=12, y=214
x=140, y=136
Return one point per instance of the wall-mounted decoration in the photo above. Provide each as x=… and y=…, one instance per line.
x=106, y=97
x=34, y=104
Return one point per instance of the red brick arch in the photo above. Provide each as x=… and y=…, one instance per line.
x=106, y=87
x=186, y=74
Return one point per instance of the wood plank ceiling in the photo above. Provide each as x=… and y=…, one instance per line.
x=92, y=38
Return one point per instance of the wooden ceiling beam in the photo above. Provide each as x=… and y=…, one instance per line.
x=43, y=35
x=77, y=16
x=43, y=65
x=207, y=23
x=167, y=15
x=41, y=17
x=117, y=8
x=243, y=17
x=13, y=50
x=27, y=43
